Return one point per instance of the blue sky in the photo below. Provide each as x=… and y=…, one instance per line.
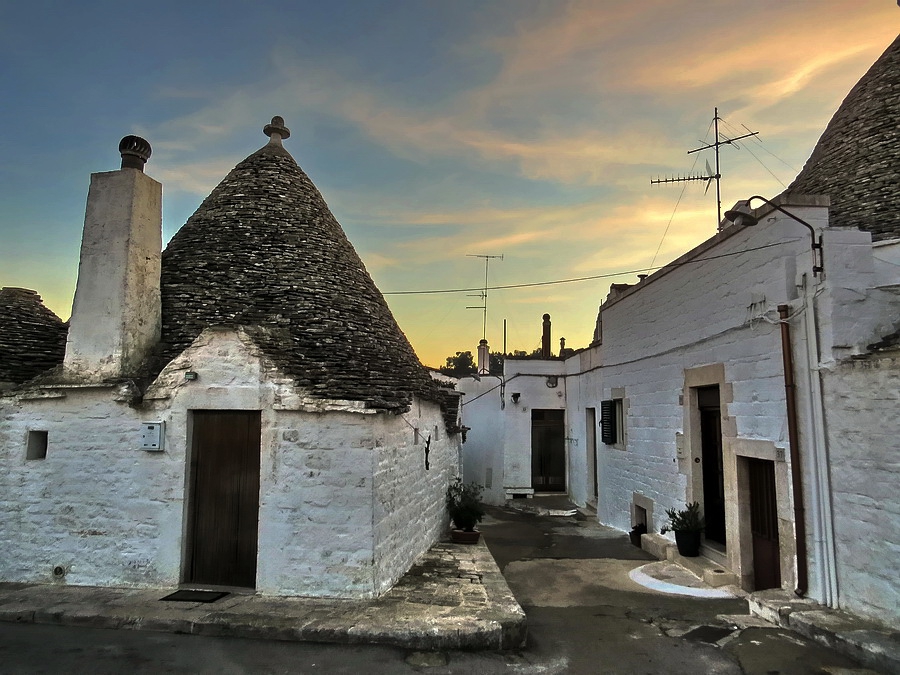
x=433, y=129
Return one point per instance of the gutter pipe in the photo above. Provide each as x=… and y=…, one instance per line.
x=790, y=391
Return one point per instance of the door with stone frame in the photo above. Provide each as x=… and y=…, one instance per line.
x=548, y=450
x=764, y=524
x=224, y=498
x=713, y=466
x=590, y=424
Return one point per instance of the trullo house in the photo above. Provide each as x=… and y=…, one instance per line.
x=240, y=409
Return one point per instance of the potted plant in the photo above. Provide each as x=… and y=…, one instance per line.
x=464, y=506
x=687, y=524
x=636, y=532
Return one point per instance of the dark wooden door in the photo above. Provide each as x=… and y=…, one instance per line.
x=764, y=525
x=713, y=464
x=590, y=419
x=548, y=450
x=224, y=498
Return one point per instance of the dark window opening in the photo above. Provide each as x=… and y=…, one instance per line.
x=36, y=448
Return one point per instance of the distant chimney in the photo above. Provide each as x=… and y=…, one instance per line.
x=545, y=340
x=116, y=311
x=484, y=358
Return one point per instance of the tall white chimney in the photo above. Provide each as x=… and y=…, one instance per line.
x=484, y=358
x=116, y=311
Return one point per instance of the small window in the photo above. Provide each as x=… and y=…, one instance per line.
x=37, y=445
x=612, y=422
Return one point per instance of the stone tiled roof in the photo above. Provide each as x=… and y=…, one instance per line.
x=265, y=252
x=32, y=338
x=857, y=160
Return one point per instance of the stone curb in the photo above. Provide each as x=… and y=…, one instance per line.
x=480, y=614
x=873, y=645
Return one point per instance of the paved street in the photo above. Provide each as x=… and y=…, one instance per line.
x=570, y=575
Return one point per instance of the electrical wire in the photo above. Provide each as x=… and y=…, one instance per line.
x=577, y=279
x=762, y=146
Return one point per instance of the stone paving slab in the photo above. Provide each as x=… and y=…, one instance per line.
x=454, y=597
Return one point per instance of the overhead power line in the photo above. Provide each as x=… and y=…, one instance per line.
x=577, y=279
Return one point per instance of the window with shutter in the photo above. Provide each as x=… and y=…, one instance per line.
x=608, y=422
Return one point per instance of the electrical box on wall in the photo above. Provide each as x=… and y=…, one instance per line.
x=152, y=436
x=679, y=445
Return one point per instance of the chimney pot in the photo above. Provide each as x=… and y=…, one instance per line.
x=135, y=152
x=545, y=339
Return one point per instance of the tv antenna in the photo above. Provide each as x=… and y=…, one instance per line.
x=484, y=293
x=710, y=176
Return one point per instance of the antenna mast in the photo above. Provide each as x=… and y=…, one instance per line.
x=484, y=293
x=710, y=176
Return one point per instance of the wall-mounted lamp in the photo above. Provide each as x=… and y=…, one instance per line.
x=742, y=216
x=515, y=397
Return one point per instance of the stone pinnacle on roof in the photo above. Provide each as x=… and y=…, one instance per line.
x=264, y=251
x=276, y=131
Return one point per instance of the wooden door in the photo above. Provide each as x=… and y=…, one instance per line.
x=590, y=421
x=764, y=525
x=224, y=498
x=548, y=450
x=713, y=463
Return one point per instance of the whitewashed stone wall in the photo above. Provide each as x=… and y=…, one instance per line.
x=409, y=500
x=863, y=399
x=345, y=502
x=97, y=506
x=687, y=317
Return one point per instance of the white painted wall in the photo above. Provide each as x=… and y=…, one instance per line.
x=529, y=378
x=499, y=443
x=686, y=317
x=482, y=410
x=346, y=505
x=108, y=512
x=409, y=500
x=863, y=399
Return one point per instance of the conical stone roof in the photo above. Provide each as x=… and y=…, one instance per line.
x=264, y=251
x=857, y=160
x=32, y=338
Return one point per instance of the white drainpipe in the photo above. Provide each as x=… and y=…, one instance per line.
x=822, y=529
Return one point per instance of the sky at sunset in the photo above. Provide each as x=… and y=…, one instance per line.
x=435, y=130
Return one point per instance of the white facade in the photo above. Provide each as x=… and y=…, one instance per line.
x=709, y=324
x=498, y=450
x=862, y=396
x=345, y=501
